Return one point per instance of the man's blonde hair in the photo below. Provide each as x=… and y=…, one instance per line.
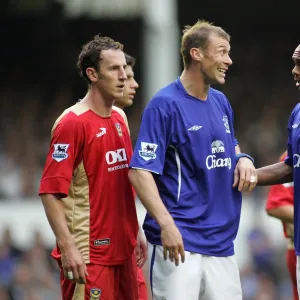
x=197, y=36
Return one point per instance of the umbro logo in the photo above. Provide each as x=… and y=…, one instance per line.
x=295, y=126
x=195, y=128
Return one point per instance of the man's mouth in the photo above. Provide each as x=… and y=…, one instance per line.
x=131, y=96
x=222, y=71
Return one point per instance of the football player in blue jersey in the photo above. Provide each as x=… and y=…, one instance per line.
x=189, y=172
x=289, y=169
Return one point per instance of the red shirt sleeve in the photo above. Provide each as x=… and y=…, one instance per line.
x=279, y=195
x=63, y=157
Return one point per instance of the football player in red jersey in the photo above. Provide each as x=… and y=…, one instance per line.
x=85, y=190
x=126, y=101
x=280, y=205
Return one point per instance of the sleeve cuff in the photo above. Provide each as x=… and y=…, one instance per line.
x=55, y=185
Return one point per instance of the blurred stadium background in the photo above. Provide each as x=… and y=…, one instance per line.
x=40, y=43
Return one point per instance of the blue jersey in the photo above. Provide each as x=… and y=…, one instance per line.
x=189, y=147
x=293, y=159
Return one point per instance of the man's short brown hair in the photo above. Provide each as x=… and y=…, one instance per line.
x=197, y=36
x=130, y=60
x=90, y=54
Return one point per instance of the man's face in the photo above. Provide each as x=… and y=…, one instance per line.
x=112, y=76
x=216, y=60
x=129, y=90
x=296, y=70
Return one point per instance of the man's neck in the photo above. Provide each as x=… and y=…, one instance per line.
x=194, y=84
x=97, y=103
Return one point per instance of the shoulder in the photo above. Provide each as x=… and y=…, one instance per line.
x=118, y=111
x=218, y=94
x=296, y=110
x=165, y=97
x=220, y=98
x=70, y=117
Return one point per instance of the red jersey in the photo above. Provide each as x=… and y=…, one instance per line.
x=281, y=195
x=87, y=165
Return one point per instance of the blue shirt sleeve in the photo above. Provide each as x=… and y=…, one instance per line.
x=289, y=159
x=153, y=139
x=231, y=118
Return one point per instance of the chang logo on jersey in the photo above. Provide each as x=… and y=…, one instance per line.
x=115, y=156
x=226, y=124
x=212, y=161
x=296, y=160
x=60, y=152
x=148, y=151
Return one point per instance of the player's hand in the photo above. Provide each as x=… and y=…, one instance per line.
x=172, y=242
x=245, y=175
x=141, y=250
x=73, y=264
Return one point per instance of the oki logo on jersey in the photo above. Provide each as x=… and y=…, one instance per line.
x=226, y=124
x=148, y=151
x=60, y=152
x=212, y=161
x=115, y=156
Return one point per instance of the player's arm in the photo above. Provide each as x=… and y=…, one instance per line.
x=148, y=194
x=274, y=174
x=55, y=214
x=141, y=248
x=280, y=202
x=62, y=158
x=148, y=159
x=243, y=171
x=237, y=149
x=281, y=172
x=283, y=213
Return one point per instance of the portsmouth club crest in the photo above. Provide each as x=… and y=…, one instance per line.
x=95, y=294
x=226, y=124
x=119, y=129
x=60, y=152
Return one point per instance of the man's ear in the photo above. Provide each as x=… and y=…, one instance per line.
x=92, y=74
x=196, y=54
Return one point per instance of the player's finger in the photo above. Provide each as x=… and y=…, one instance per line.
x=182, y=253
x=165, y=253
x=144, y=251
x=236, y=178
x=68, y=273
x=253, y=182
x=141, y=262
x=248, y=174
x=171, y=254
x=242, y=180
x=81, y=275
x=86, y=273
x=75, y=274
x=176, y=257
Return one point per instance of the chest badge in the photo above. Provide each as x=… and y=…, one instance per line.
x=119, y=129
x=226, y=124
